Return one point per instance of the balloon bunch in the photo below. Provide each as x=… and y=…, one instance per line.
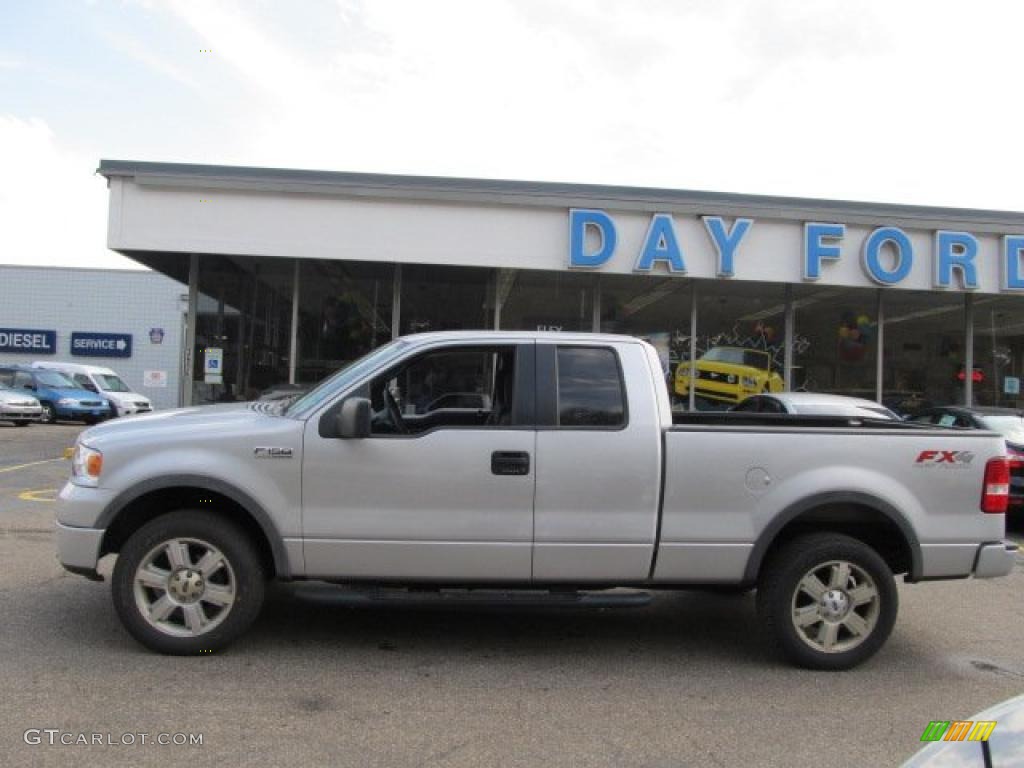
x=766, y=332
x=854, y=336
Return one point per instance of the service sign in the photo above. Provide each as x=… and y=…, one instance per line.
x=101, y=344
x=23, y=340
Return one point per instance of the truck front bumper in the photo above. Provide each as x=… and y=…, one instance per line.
x=78, y=549
x=995, y=560
x=79, y=527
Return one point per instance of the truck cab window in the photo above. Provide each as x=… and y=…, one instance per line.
x=589, y=388
x=451, y=387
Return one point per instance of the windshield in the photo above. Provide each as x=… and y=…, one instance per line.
x=1010, y=427
x=111, y=383
x=736, y=356
x=55, y=380
x=344, y=378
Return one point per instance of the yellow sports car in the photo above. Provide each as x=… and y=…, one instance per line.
x=730, y=375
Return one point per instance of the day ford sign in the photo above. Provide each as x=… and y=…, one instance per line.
x=101, y=344
x=23, y=340
x=716, y=246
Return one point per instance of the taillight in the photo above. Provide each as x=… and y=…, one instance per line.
x=995, y=495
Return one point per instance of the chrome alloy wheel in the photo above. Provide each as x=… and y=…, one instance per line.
x=835, y=606
x=184, y=587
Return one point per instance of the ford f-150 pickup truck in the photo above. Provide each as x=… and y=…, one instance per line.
x=558, y=467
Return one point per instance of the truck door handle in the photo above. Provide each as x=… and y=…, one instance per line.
x=510, y=463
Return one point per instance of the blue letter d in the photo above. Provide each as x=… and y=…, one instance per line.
x=579, y=220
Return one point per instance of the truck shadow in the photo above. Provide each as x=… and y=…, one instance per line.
x=679, y=623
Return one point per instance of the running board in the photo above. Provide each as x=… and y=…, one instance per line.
x=455, y=598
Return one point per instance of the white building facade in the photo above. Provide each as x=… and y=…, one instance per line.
x=304, y=271
x=130, y=321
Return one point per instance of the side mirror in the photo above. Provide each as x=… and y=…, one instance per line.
x=354, y=418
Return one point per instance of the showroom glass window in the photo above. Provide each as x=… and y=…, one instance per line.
x=545, y=301
x=345, y=310
x=653, y=308
x=446, y=299
x=741, y=337
x=243, y=323
x=998, y=350
x=923, y=350
x=835, y=340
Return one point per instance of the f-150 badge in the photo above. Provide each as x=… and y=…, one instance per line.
x=271, y=452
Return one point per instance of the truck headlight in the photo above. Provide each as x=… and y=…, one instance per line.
x=749, y=382
x=86, y=466
x=67, y=401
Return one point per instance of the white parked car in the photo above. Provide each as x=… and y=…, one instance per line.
x=815, y=404
x=19, y=407
x=103, y=381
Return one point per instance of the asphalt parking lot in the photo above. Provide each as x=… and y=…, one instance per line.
x=681, y=681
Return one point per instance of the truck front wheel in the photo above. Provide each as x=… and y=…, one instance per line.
x=187, y=583
x=827, y=601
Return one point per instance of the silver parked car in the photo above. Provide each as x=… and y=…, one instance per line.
x=19, y=407
x=815, y=404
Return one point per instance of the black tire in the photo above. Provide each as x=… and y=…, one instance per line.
x=244, y=568
x=49, y=413
x=780, y=596
x=21, y=423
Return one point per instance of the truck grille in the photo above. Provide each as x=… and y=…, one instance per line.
x=726, y=378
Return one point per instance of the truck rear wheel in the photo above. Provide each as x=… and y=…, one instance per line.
x=188, y=583
x=827, y=601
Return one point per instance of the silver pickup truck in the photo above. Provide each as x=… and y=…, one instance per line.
x=533, y=461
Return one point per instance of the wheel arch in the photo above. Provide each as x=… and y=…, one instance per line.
x=150, y=499
x=862, y=516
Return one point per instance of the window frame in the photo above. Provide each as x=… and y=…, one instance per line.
x=523, y=397
x=548, y=412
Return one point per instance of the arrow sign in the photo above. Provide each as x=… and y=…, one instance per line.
x=91, y=344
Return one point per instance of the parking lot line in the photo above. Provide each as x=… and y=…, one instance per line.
x=29, y=464
x=48, y=495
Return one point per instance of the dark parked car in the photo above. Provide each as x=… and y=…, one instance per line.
x=1009, y=422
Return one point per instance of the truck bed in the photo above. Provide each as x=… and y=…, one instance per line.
x=732, y=480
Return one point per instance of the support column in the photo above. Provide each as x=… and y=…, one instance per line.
x=880, y=357
x=595, y=323
x=396, y=301
x=693, y=346
x=968, y=349
x=787, y=352
x=293, y=349
x=188, y=372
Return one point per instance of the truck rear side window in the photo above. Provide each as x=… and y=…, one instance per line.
x=589, y=388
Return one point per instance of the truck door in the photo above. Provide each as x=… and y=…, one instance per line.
x=442, y=489
x=598, y=464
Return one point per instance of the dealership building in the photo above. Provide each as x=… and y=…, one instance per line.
x=131, y=321
x=289, y=274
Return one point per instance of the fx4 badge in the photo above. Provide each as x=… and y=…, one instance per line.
x=945, y=459
x=272, y=453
